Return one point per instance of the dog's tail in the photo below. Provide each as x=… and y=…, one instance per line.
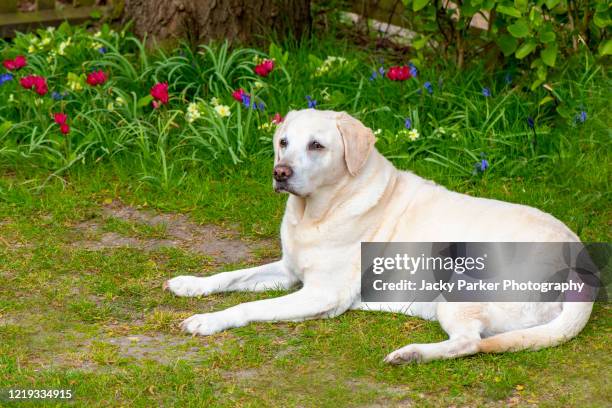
x=567, y=325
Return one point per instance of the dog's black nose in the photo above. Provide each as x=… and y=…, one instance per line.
x=282, y=173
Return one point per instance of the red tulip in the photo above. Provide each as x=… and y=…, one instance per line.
x=159, y=91
x=37, y=82
x=96, y=78
x=277, y=119
x=238, y=93
x=15, y=64
x=398, y=73
x=60, y=118
x=264, y=68
x=40, y=86
x=20, y=61
x=27, y=82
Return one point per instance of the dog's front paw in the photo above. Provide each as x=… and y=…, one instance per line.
x=408, y=354
x=205, y=324
x=187, y=286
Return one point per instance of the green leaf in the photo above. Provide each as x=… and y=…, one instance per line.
x=606, y=48
x=5, y=126
x=521, y=5
x=420, y=42
x=542, y=72
x=314, y=61
x=525, y=49
x=507, y=44
x=276, y=53
x=419, y=4
x=468, y=10
x=536, y=83
x=601, y=20
x=546, y=100
x=508, y=10
x=547, y=34
x=549, y=54
x=519, y=29
x=552, y=3
x=488, y=4
x=535, y=17
x=144, y=101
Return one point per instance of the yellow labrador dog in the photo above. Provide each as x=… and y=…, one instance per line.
x=344, y=192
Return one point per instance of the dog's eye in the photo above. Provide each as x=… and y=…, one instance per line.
x=314, y=145
x=283, y=142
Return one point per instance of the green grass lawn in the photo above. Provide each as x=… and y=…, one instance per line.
x=81, y=305
x=97, y=322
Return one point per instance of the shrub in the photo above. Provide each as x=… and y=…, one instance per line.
x=536, y=34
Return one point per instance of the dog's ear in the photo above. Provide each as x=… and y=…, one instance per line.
x=358, y=142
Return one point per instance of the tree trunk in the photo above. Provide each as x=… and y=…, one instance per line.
x=243, y=21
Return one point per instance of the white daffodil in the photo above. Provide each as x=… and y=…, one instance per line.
x=61, y=50
x=223, y=110
x=193, y=112
x=214, y=101
x=330, y=61
x=413, y=134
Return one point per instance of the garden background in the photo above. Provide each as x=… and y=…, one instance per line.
x=127, y=160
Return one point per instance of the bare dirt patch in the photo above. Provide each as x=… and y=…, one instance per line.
x=223, y=245
x=162, y=348
x=394, y=396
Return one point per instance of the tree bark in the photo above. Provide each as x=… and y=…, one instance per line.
x=244, y=21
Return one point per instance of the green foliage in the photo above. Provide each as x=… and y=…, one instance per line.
x=537, y=33
x=203, y=126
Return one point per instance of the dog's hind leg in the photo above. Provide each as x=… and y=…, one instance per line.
x=463, y=323
x=270, y=276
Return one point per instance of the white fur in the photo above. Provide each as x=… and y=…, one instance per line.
x=329, y=214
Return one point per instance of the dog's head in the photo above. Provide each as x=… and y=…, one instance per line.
x=315, y=148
